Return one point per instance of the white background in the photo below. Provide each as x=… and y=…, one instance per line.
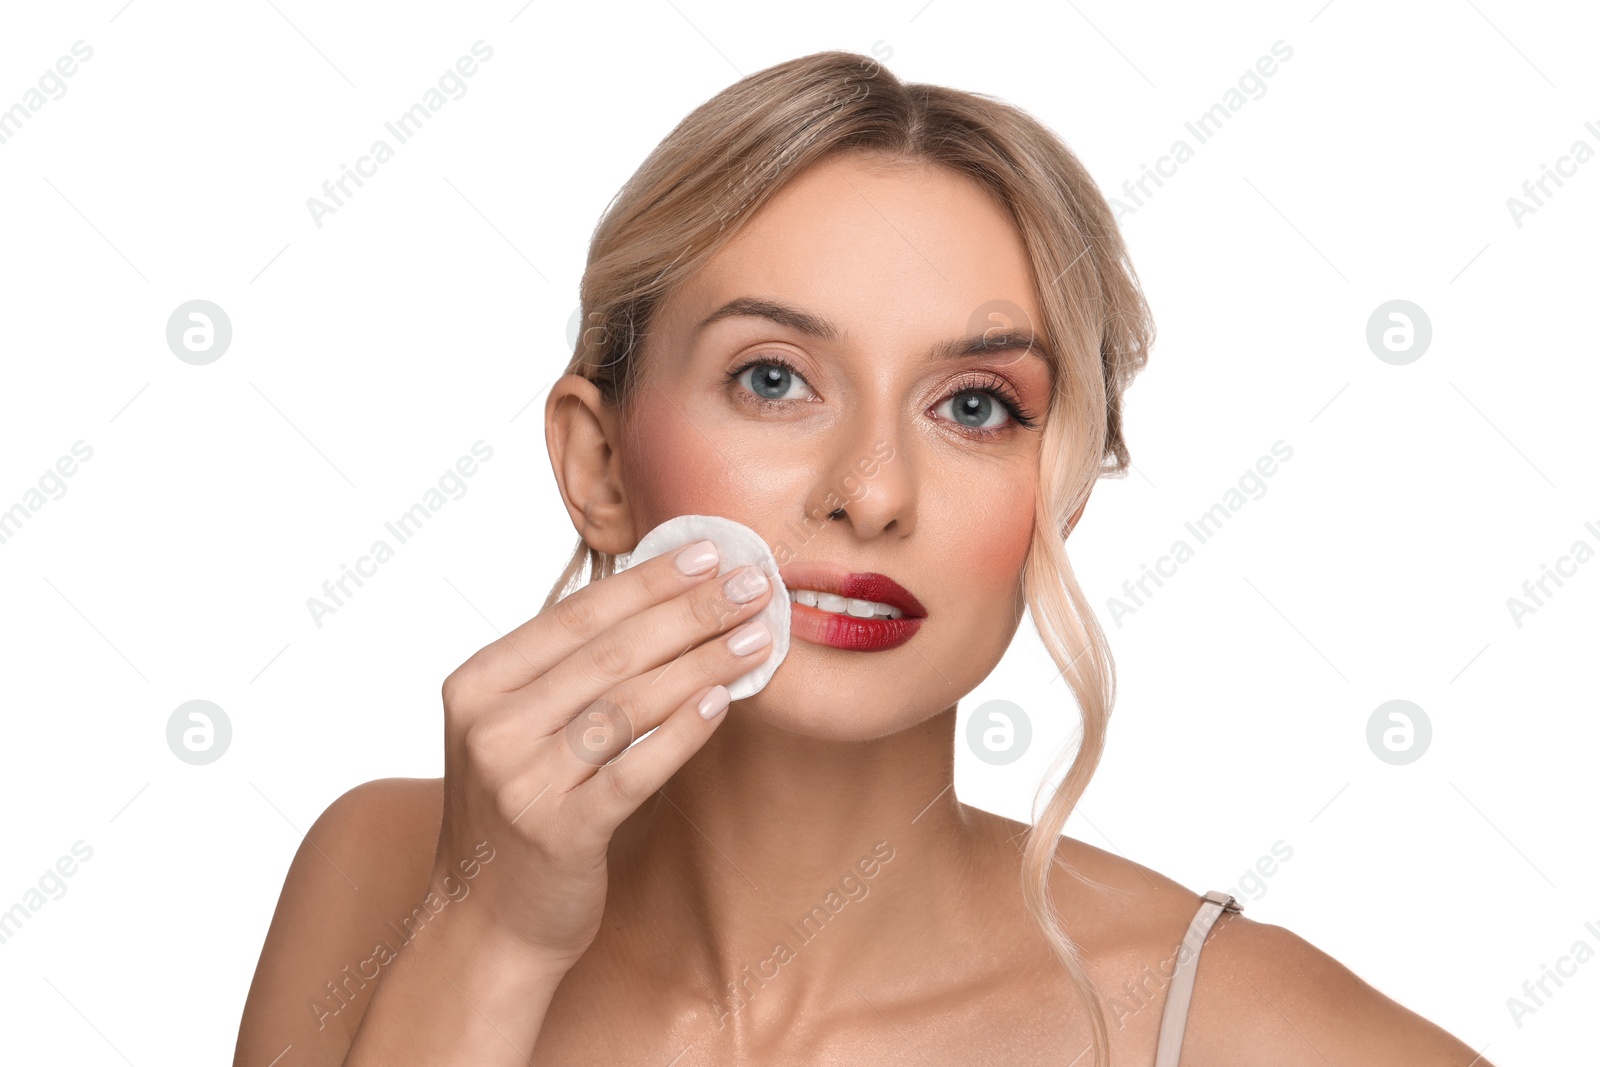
x=431, y=311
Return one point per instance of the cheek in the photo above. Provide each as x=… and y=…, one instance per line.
x=998, y=545
x=673, y=468
x=670, y=470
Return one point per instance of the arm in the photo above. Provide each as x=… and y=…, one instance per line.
x=353, y=918
x=398, y=922
x=454, y=997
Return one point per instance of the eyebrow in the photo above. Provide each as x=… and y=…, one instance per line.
x=987, y=343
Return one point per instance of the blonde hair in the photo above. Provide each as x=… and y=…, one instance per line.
x=732, y=153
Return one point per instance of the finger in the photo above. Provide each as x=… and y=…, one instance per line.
x=643, y=642
x=606, y=727
x=531, y=649
x=616, y=790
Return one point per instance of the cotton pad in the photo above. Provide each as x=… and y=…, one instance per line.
x=737, y=546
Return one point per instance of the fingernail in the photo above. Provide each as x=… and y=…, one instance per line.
x=697, y=558
x=746, y=585
x=713, y=702
x=749, y=637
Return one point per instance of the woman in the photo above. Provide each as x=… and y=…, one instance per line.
x=888, y=327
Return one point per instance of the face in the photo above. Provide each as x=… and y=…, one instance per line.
x=837, y=379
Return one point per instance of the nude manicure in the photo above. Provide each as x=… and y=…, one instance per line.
x=749, y=637
x=697, y=558
x=713, y=702
x=746, y=585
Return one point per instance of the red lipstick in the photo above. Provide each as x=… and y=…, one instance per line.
x=848, y=631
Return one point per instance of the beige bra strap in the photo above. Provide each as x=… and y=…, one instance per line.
x=1176, y=1012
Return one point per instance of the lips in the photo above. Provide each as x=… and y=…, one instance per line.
x=848, y=632
x=826, y=578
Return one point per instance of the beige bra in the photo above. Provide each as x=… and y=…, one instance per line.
x=1176, y=1011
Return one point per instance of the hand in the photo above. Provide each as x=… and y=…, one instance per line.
x=532, y=720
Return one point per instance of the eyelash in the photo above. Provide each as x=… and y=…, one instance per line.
x=992, y=384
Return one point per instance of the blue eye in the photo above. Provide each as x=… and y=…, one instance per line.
x=983, y=395
x=770, y=380
x=976, y=406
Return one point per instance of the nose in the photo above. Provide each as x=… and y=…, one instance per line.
x=867, y=480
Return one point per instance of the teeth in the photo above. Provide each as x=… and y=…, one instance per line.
x=863, y=609
x=860, y=609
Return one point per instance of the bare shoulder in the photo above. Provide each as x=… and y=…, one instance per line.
x=350, y=897
x=1263, y=995
x=1116, y=911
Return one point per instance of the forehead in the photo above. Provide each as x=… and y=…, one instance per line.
x=883, y=248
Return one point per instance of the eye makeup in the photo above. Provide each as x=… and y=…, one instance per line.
x=985, y=382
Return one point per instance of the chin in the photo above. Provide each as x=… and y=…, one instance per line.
x=840, y=701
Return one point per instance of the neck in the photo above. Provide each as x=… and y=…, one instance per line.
x=772, y=866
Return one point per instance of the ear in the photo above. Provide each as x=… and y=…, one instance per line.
x=581, y=431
